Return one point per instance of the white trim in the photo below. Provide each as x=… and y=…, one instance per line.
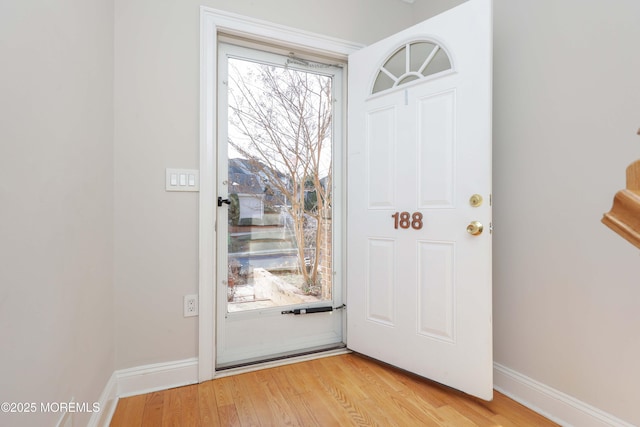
x=108, y=401
x=65, y=420
x=207, y=212
x=549, y=402
x=158, y=376
x=162, y=376
x=212, y=21
x=141, y=380
x=239, y=25
x=553, y=404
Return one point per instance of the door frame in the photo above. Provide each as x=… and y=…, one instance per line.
x=213, y=21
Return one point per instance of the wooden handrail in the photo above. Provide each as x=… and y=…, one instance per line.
x=624, y=216
x=633, y=176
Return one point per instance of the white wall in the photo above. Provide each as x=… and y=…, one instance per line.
x=156, y=126
x=56, y=204
x=566, y=112
x=567, y=108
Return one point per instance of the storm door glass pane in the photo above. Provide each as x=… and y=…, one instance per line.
x=280, y=179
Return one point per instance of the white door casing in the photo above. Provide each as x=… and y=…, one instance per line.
x=212, y=23
x=420, y=298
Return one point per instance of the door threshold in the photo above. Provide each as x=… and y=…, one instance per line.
x=251, y=365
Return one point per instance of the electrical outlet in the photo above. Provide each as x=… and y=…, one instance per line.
x=190, y=305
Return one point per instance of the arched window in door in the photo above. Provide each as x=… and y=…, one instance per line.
x=413, y=61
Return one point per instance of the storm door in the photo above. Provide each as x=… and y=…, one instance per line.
x=276, y=288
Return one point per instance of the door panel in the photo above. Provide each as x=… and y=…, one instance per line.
x=380, y=286
x=436, y=150
x=436, y=290
x=418, y=284
x=381, y=145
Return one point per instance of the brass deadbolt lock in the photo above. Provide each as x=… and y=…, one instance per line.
x=475, y=200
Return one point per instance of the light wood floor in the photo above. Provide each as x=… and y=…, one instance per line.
x=346, y=390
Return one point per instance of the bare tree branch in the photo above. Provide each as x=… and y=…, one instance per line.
x=282, y=122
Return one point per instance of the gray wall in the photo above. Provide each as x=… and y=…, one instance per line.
x=56, y=204
x=566, y=112
x=84, y=214
x=156, y=126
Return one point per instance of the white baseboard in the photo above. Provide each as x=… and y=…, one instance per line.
x=108, y=401
x=159, y=376
x=553, y=404
x=141, y=380
x=162, y=376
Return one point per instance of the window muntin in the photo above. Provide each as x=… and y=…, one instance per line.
x=413, y=61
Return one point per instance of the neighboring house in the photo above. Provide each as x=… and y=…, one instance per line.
x=248, y=177
x=261, y=231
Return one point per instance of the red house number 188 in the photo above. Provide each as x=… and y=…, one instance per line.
x=406, y=220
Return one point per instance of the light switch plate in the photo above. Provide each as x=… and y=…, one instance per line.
x=182, y=180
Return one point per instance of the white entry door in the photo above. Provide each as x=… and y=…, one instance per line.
x=419, y=199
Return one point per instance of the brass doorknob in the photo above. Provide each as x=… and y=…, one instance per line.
x=475, y=228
